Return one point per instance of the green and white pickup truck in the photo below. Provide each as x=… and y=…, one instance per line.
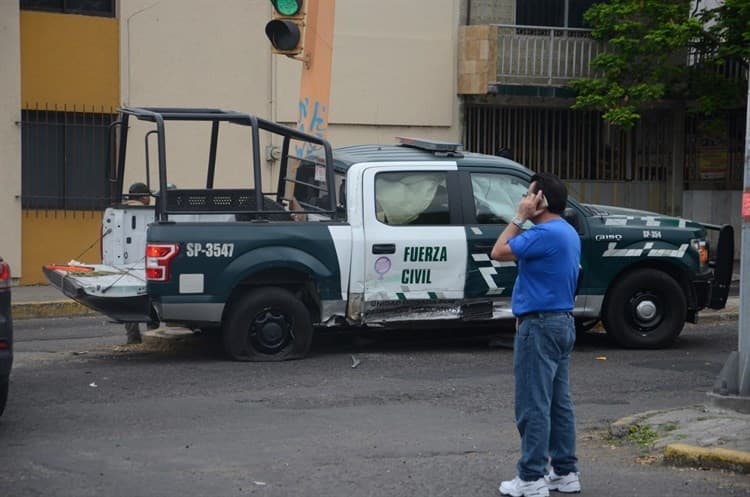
x=381, y=236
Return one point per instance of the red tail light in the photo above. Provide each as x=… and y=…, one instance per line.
x=158, y=258
x=4, y=275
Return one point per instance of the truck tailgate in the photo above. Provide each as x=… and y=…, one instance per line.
x=118, y=292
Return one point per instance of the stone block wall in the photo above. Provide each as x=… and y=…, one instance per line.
x=477, y=59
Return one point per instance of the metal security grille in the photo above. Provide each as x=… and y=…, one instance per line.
x=714, y=151
x=567, y=13
x=575, y=145
x=64, y=158
x=103, y=8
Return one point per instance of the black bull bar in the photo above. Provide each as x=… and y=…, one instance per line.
x=722, y=265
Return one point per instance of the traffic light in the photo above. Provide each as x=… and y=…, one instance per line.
x=286, y=29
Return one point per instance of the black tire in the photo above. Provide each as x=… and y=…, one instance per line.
x=267, y=324
x=645, y=309
x=3, y=394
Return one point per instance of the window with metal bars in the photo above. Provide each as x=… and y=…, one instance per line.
x=64, y=158
x=101, y=8
x=567, y=13
x=575, y=145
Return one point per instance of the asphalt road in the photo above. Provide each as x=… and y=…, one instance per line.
x=415, y=417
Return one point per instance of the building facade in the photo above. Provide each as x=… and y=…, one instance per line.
x=492, y=74
x=76, y=62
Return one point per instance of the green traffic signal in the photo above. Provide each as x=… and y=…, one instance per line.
x=286, y=27
x=287, y=7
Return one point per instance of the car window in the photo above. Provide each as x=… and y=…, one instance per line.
x=496, y=196
x=412, y=198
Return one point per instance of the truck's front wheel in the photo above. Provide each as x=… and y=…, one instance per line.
x=645, y=309
x=267, y=324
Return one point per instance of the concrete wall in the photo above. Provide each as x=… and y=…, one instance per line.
x=56, y=237
x=716, y=207
x=68, y=61
x=10, y=136
x=386, y=54
x=477, y=59
x=705, y=206
x=492, y=11
x=643, y=195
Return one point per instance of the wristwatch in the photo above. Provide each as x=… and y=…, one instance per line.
x=518, y=222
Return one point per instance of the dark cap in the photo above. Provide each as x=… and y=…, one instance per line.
x=139, y=189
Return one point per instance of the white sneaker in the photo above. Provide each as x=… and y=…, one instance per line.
x=520, y=488
x=568, y=484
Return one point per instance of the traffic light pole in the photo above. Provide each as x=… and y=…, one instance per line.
x=732, y=388
x=744, y=331
x=315, y=82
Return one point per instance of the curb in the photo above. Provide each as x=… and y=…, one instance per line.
x=704, y=457
x=738, y=403
x=718, y=316
x=682, y=454
x=51, y=309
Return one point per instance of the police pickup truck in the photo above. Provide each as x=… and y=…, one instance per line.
x=370, y=236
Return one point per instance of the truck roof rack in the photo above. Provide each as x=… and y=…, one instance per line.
x=439, y=148
x=317, y=151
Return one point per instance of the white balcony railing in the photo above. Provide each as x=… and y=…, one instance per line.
x=544, y=55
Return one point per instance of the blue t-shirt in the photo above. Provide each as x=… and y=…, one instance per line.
x=548, y=261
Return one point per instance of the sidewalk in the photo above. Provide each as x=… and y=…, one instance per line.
x=695, y=436
x=44, y=301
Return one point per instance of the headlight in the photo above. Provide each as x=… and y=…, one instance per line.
x=700, y=246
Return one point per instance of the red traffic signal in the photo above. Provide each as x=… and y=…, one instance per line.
x=287, y=26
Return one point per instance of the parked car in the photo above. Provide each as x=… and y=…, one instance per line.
x=6, y=333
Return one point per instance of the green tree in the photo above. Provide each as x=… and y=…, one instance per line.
x=648, y=46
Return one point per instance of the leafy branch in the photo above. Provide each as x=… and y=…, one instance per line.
x=647, y=57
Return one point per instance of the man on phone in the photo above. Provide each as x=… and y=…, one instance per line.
x=548, y=256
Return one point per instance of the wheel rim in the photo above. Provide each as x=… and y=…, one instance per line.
x=646, y=311
x=270, y=331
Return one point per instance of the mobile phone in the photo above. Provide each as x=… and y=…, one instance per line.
x=543, y=204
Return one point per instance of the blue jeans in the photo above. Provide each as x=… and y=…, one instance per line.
x=544, y=411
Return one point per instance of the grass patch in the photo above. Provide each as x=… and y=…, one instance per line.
x=643, y=436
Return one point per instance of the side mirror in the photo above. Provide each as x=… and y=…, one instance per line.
x=571, y=216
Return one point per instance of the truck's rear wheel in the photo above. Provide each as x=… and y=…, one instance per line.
x=645, y=309
x=267, y=324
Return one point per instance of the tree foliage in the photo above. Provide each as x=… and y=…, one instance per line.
x=646, y=62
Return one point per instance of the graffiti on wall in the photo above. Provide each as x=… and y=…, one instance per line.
x=313, y=119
